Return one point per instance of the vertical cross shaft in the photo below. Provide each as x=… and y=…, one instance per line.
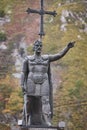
x=41, y=12
x=41, y=21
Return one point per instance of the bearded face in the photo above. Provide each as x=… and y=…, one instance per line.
x=38, y=47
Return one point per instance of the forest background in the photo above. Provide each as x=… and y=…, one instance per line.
x=18, y=31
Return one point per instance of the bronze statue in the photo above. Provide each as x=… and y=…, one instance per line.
x=37, y=85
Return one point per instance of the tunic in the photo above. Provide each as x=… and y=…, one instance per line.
x=37, y=83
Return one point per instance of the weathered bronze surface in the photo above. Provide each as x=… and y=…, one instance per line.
x=37, y=85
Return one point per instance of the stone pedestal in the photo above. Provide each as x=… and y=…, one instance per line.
x=38, y=128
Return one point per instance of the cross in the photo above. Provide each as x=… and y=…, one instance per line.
x=41, y=12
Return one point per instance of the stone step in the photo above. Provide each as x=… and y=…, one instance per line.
x=40, y=128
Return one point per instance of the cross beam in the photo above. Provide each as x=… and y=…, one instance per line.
x=41, y=12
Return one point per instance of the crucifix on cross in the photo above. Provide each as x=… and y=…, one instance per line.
x=41, y=12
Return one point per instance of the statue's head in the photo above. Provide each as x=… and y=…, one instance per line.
x=37, y=46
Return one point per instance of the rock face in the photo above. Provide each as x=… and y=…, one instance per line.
x=4, y=20
x=3, y=46
x=6, y=61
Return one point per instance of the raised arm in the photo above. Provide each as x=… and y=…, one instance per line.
x=62, y=53
x=24, y=74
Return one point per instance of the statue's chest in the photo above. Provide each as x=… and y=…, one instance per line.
x=38, y=65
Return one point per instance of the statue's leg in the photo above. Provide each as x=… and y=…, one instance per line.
x=36, y=110
x=46, y=111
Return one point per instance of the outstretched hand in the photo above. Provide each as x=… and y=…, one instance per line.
x=71, y=44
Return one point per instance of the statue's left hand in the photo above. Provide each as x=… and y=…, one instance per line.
x=71, y=44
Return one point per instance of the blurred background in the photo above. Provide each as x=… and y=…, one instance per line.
x=18, y=31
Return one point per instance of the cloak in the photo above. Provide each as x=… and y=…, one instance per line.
x=50, y=90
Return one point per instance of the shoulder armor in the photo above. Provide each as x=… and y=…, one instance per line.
x=45, y=57
x=31, y=58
